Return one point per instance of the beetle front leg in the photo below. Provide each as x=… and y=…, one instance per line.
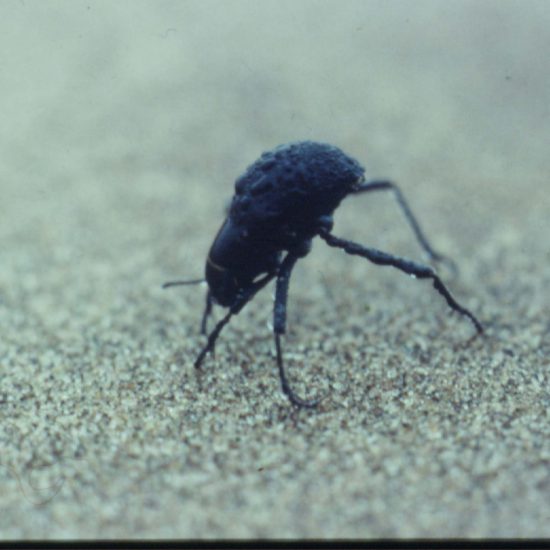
x=235, y=308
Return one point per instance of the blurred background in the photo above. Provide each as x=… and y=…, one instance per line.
x=111, y=100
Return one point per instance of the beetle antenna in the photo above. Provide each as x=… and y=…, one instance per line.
x=180, y=283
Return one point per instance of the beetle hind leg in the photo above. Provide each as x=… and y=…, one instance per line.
x=385, y=185
x=414, y=269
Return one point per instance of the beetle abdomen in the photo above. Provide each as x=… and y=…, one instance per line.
x=295, y=184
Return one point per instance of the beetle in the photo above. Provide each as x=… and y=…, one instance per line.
x=281, y=202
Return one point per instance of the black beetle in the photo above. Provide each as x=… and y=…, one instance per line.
x=282, y=201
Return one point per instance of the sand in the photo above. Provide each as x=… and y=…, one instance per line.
x=124, y=126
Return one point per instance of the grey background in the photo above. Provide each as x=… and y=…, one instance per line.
x=124, y=126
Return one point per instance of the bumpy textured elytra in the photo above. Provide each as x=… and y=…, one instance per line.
x=281, y=202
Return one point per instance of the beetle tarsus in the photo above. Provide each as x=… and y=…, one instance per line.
x=287, y=390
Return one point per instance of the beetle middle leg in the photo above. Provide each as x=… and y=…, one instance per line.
x=279, y=327
x=239, y=303
x=385, y=185
x=411, y=268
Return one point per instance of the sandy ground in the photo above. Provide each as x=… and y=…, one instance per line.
x=124, y=126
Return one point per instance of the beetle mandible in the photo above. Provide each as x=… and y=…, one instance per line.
x=281, y=202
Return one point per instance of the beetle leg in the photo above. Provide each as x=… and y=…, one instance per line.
x=212, y=337
x=279, y=327
x=384, y=185
x=411, y=268
x=239, y=303
x=207, y=311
